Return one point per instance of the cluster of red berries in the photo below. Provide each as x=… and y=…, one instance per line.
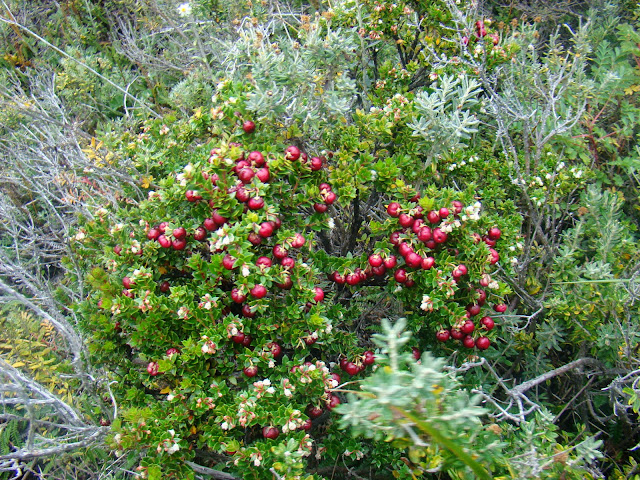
x=359, y=364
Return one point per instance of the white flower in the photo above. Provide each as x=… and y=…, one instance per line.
x=374, y=174
x=245, y=270
x=80, y=236
x=224, y=426
x=331, y=223
x=173, y=448
x=427, y=303
x=514, y=261
x=271, y=390
x=272, y=364
x=184, y=9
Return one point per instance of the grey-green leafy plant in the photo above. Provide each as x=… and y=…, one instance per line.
x=417, y=403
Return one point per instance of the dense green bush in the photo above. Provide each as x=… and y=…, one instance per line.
x=511, y=144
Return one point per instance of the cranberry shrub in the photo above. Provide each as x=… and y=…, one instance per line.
x=227, y=325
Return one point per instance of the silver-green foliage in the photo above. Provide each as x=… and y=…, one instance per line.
x=445, y=120
x=418, y=404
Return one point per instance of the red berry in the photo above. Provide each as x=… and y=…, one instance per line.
x=369, y=358
x=127, y=282
x=241, y=194
x=287, y=284
x=473, y=309
x=279, y=251
x=444, y=212
x=209, y=224
x=217, y=218
x=164, y=241
x=314, y=411
x=333, y=402
x=319, y=295
x=316, y=163
x=489, y=241
x=228, y=261
x=494, y=233
x=405, y=249
x=413, y=260
x=288, y=262
x=351, y=368
x=462, y=269
x=270, y=432
x=192, y=196
x=298, y=241
x=256, y=158
x=259, y=291
x=375, y=260
x=405, y=220
x=153, y=233
x=247, y=311
x=265, y=230
x=306, y=426
x=433, y=216
x=456, y=334
x=237, y=296
x=165, y=287
x=329, y=198
x=468, y=341
x=339, y=278
x=394, y=238
x=417, y=225
x=500, y=308
x=468, y=327
x=320, y=207
x=179, y=232
x=487, y=323
x=179, y=244
x=200, y=234
x=438, y=235
x=390, y=262
x=251, y=371
x=276, y=349
x=424, y=234
x=238, y=338
x=248, y=126
x=400, y=275
x=264, y=262
x=152, y=368
x=482, y=296
x=292, y=153
x=353, y=279
x=428, y=263
x=246, y=174
x=255, y=203
x=495, y=256
x=393, y=209
x=415, y=351
x=117, y=249
x=263, y=174
x=443, y=335
x=457, y=206
x=481, y=31
x=483, y=343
